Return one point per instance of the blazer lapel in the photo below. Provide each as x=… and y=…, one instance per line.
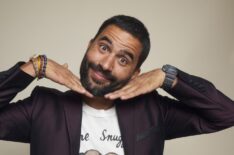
x=125, y=113
x=73, y=114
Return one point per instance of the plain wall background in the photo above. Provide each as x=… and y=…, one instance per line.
x=197, y=36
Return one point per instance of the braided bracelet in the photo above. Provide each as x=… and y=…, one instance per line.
x=35, y=66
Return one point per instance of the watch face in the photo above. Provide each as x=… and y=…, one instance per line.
x=170, y=69
x=165, y=68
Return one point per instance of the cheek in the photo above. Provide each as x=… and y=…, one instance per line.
x=93, y=56
x=122, y=73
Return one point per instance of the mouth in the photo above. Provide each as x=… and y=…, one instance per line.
x=97, y=76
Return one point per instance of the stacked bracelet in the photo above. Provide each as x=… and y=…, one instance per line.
x=43, y=66
x=39, y=65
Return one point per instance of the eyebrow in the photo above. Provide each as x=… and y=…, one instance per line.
x=105, y=38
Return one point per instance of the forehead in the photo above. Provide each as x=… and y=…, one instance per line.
x=121, y=39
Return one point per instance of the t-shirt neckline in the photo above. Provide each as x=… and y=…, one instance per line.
x=99, y=112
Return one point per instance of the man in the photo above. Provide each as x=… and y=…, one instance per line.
x=112, y=109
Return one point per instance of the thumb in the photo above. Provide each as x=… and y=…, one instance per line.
x=65, y=65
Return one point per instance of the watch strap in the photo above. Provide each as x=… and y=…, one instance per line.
x=171, y=74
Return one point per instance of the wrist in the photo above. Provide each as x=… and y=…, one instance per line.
x=28, y=68
x=162, y=76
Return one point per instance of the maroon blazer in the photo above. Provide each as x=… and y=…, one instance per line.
x=50, y=120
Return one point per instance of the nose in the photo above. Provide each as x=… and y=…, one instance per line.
x=107, y=63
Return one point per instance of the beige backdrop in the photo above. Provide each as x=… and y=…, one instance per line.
x=196, y=36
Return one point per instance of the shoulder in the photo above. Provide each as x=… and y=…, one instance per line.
x=148, y=98
x=45, y=93
x=40, y=91
x=52, y=101
x=152, y=98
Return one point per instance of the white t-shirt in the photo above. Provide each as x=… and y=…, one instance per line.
x=100, y=132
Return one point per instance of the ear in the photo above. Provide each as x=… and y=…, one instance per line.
x=136, y=73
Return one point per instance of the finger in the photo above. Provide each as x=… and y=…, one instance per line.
x=135, y=93
x=131, y=84
x=88, y=94
x=75, y=78
x=84, y=92
x=132, y=94
x=112, y=94
x=122, y=92
x=78, y=86
x=119, y=90
x=80, y=89
x=72, y=83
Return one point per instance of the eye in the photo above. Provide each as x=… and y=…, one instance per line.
x=103, y=48
x=123, y=61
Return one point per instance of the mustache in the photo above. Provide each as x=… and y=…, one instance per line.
x=100, y=69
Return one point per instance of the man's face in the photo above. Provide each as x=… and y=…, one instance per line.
x=110, y=61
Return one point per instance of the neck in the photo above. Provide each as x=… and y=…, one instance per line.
x=98, y=102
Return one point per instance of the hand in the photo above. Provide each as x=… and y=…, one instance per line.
x=62, y=75
x=139, y=85
x=59, y=74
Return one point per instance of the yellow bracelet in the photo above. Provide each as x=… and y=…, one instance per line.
x=39, y=64
x=35, y=67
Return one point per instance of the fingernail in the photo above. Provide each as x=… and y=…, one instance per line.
x=123, y=97
x=111, y=96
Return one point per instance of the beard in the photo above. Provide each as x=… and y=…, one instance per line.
x=100, y=88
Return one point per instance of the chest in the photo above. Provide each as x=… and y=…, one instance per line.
x=100, y=134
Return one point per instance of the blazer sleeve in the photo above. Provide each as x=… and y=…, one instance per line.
x=14, y=117
x=198, y=108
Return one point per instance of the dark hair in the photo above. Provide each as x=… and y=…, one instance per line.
x=133, y=26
